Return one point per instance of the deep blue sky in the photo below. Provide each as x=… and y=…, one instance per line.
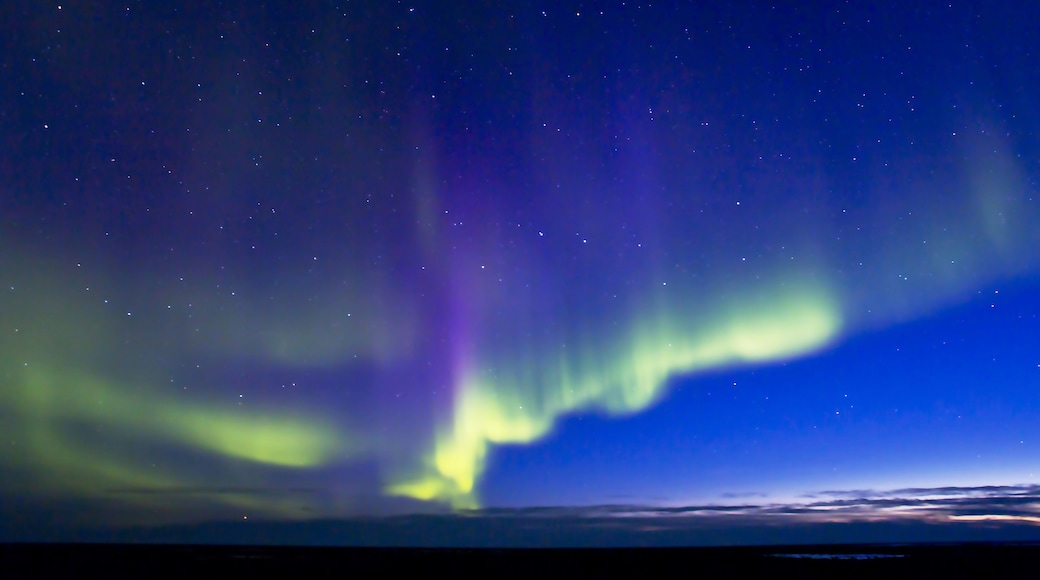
x=297, y=262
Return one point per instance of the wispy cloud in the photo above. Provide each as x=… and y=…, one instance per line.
x=1019, y=502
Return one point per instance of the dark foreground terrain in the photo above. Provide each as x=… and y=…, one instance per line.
x=928, y=561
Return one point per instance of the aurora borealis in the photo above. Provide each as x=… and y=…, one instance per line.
x=288, y=262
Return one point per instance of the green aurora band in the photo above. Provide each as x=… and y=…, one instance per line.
x=522, y=407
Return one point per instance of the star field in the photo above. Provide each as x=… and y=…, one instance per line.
x=294, y=262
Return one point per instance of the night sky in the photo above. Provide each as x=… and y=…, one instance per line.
x=291, y=262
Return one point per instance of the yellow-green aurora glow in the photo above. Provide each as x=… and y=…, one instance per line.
x=75, y=428
x=522, y=406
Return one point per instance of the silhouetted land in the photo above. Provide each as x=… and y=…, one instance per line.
x=921, y=561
